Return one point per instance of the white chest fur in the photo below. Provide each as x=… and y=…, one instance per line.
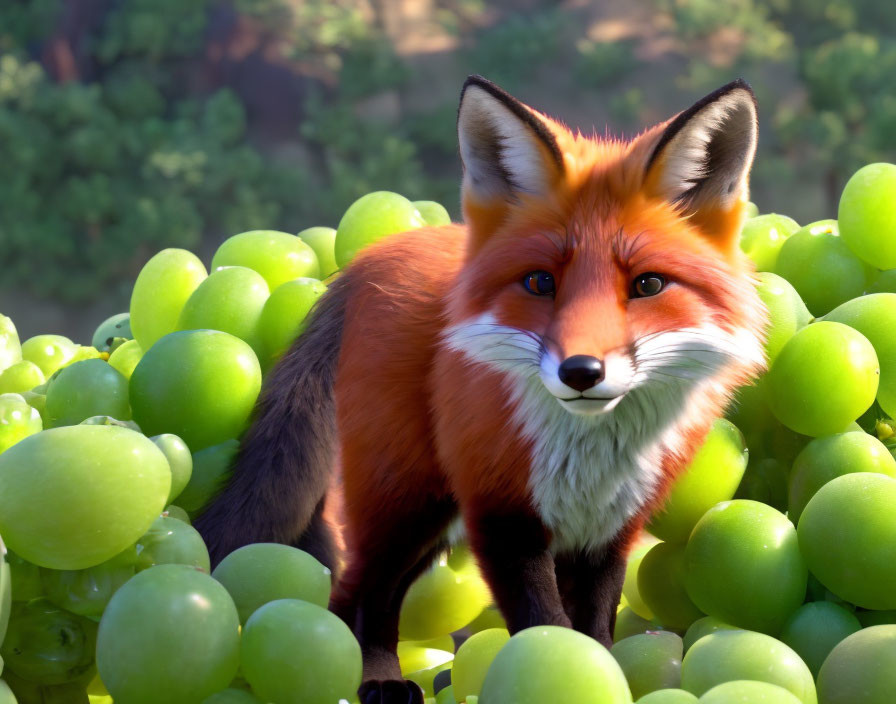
x=590, y=475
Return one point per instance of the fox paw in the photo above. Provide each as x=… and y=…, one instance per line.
x=390, y=692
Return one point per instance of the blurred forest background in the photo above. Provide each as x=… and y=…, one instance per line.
x=127, y=126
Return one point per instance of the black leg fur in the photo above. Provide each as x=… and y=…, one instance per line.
x=368, y=596
x=590, y=583
x=512, y=550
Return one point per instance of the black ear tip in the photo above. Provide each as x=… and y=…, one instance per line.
x=738, y=84
x=488, y=86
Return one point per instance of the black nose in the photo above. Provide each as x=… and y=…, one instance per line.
x=581, y=371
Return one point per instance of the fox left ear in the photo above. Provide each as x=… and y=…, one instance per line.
x=701, y=162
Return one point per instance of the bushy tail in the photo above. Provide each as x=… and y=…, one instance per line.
x=282, y=470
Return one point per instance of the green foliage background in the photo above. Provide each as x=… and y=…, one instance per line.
x=100, y=168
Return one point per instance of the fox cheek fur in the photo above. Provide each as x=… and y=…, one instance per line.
x=543, y=372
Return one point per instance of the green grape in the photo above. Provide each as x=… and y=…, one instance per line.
x=748, y=692
x=442, y=600
x=5, y=594
x=726, y=656
x=846, y=533
x=36, y=400
x=49, y=352
x=765, y=481
x=21, y=376
x=28, y=692
x=824, y=378
x=712, y=476
x=10, y=348
x=815, y=628
x=322, y=240
x=126, y=357
x=293, y=652
x=177, y=512
x=232, y=696
x=445, y=642
x=162, y=287
x=229, y=300
x=876, y=618
x=284, y=314
x=446, y=696
x=433, y=213
x=48, y=645
x=18, y=420
x=172, y=542
x=630, y=585
x=85, y=592
x=832, y=456
x=82, y=353
x=421, y=664
x=109, y=420
x=24, y=578
x=884, y=283
x=198, y=384
x=873, y=316
x=816, y=591
x=661, y=585
x=179, y=460
x=278, y=256
x=170, y=634
x=98, y=487
x=6, y=695
x=703, y=627
x=668, y=696
x=787, y=312
x=489, y=618
x=861, y=669
x=554, y=664
x=628, y=623
x=473, y=659
x=86, y=389
x=819, y=265
x=867, y=214
x=211, y=468
x=762, y=236
x=118, y=325
x=263, y=572
x=751, y=415
x=650, y=661
x=751, y=210
x=370, y=218
x=743, y=566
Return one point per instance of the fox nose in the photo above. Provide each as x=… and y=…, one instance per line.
x=581, y=371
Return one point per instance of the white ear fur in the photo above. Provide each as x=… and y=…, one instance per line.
x=502, y=144
x=706, y=153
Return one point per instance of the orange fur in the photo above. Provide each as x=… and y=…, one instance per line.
x=420, y=423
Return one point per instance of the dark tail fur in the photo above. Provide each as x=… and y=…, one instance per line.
x=282, y=470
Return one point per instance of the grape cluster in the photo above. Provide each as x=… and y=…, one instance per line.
x=767, y=576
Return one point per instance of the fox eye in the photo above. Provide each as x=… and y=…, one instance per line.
x=648, y=284
x=540, y=283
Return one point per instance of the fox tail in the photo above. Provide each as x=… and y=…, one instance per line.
x=282, y=471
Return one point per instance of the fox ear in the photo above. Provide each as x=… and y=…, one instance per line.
x=506, y=149
x=702, y=160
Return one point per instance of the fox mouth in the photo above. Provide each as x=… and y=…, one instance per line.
x=603, y=399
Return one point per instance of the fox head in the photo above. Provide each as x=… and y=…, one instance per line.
x=601, y=267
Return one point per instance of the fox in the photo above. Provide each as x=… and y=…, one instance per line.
x=538, y=375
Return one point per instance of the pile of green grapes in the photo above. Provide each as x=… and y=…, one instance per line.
x=768, y=576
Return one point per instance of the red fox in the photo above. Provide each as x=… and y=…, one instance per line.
x=542, y=372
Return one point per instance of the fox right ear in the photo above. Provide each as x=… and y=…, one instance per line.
x=506, y=148
x=702, y=160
